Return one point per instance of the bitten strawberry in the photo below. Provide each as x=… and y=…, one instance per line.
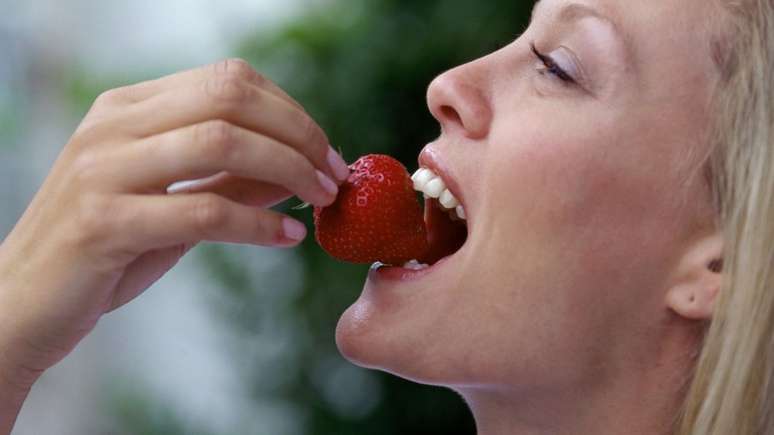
x=376, y=216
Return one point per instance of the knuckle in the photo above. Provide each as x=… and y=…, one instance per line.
x=217, y=140
x=214, y=132
x=259, y=79
x=91, y=131
x=311, y=134
x=110, y=97
x=208, y=212
x=235, y=67
x=227, y=90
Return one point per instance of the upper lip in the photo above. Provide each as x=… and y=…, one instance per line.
x=430, y=159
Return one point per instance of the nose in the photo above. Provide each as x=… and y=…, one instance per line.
x=458, y=101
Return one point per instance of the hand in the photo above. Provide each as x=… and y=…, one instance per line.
x=103, y=227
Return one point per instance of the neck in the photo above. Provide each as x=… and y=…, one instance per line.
x=572, y=413
x=631, y=397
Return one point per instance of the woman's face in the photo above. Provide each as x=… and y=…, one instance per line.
x=578, y=178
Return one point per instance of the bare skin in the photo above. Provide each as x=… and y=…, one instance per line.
x=576, y=305
x=103, y=228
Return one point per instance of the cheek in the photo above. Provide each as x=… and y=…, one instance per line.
x=591, y=201
x=575, y=233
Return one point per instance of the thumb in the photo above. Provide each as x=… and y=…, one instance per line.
x=144, y=271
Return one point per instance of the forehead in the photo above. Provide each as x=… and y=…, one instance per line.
x=685, y=11
x=652, y=30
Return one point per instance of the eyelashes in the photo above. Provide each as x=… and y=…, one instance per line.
x=551, y=67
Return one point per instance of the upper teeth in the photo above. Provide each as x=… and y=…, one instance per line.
x=427, y=182
x=448, y=200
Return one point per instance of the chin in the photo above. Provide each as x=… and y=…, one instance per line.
x=364, y=342
x=403, y=330
x=357, y=338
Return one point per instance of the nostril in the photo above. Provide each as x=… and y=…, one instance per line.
x=451, y=115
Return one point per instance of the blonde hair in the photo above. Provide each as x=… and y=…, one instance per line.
x=732, y=390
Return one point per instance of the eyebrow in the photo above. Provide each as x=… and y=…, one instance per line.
x=575, y=11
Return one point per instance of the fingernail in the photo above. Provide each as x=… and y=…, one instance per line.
x=338, y=165
x=327, y=184
x=293, y=229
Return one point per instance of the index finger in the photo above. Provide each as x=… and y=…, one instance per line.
x=238, y=68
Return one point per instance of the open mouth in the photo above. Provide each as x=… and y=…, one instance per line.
x=445, y=217
x=446, y=232
x=447, y=229
x=445, y=220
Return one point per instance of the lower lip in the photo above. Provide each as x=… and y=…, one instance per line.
x=393, y=274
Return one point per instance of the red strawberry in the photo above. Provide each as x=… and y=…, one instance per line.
x=376, y=216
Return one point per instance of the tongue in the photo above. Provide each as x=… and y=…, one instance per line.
x=444, y=236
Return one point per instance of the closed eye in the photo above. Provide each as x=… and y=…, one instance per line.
x=551, y=67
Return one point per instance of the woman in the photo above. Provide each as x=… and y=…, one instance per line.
x=615, y=167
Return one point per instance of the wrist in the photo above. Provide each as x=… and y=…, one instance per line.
x=15, y=376
x=11, y=403
x=15, y=384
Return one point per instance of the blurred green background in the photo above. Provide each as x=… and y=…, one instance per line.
x=361, y=68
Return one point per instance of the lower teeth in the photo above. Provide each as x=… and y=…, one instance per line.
x=415, y=265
